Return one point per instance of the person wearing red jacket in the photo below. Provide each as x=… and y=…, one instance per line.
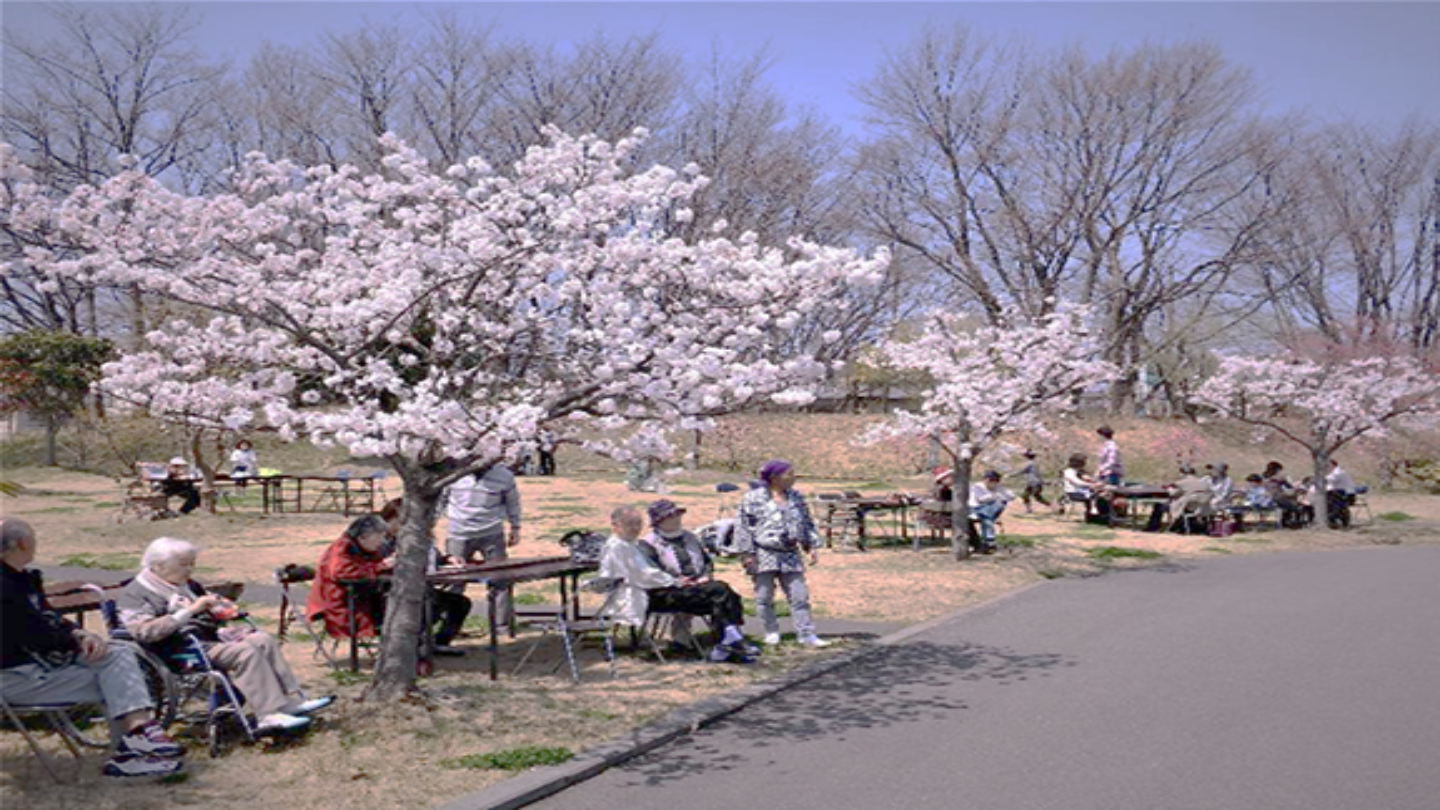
x=356, y=555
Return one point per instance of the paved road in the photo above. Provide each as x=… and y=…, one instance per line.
x=1305, y=681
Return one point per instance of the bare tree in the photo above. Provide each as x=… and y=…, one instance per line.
x=1356, y=259
x=455, y=86
x=114, y=81
x=122, y=80
x=1128, y=182
x=367, y=72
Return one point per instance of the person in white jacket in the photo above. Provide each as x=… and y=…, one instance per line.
x=622, y=563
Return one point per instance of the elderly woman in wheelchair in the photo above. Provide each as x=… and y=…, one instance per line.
x=164, y=609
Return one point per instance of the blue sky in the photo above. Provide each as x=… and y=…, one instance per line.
x=1374, y=62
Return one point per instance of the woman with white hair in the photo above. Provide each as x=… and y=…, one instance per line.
x=162, y=602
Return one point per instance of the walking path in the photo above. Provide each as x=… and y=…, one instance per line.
x=1303, y=681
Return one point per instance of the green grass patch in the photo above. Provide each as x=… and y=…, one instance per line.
x=104, y=562
x=1217, y=550
x=1395, y=517
x=512, y=759
x=1121, y=552
x=526, y=599
x=54, y=510
x=345, y=677
x=1090, y=531
x=1051, y=573
x=1017, y=542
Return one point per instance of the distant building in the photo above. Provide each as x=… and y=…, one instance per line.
x=20, y=422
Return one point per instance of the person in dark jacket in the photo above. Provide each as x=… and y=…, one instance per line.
x=47, y=659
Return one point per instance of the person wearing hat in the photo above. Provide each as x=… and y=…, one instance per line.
x=679, y=553
x=774, y=525
x=180, y=482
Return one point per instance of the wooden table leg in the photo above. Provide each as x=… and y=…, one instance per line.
x=490, y=602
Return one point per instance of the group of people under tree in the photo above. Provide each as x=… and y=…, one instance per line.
x=1197, y=500
x=665, y=570
x=47, y=660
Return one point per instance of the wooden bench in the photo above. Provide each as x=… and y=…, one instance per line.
x=78, y=599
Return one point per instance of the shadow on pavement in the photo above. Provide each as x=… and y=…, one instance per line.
x=902, y=684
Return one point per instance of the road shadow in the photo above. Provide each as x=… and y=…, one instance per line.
x=894, y=686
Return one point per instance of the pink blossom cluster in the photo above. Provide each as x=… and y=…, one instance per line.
x=417, y=313
x=989, y=380
x=1323, y=405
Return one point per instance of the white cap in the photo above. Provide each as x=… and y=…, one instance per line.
x=179, y=460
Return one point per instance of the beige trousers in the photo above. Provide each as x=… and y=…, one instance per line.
x=257, y=667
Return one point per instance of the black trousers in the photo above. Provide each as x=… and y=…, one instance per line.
x=714, y=599
x=451, y=610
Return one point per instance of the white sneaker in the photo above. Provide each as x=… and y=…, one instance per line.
x=280, y=721
x=814, y=642
x=311, y=706
x=771, y=639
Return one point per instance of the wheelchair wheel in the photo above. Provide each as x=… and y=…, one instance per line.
x=160, y=682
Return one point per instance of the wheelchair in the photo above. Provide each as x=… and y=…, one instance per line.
x=178, y=673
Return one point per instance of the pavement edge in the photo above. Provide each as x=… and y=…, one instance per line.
x=539, y=783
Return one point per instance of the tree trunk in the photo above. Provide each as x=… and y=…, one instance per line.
x=52, y=432
x=1321, y=499
x=395, y=671
x=960, y=504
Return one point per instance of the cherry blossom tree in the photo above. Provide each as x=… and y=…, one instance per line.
x=441, y=320
x=989, y=381
x=1322, y=405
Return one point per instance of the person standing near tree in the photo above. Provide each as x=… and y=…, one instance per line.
x=545, y=446
x=479, y=507
x=1111, y=468
x=775, y=528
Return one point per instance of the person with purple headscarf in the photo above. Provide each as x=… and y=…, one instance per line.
x=775, y=529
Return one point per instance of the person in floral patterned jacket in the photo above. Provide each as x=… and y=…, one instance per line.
x=775, y=527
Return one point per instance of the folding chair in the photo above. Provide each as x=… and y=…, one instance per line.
x=571, y=630
x=1360, y=504
x=292, y=611
x=62, y=719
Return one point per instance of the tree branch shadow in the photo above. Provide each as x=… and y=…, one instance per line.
x=898, y=685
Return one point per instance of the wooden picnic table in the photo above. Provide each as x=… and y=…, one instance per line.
x=496, y=576
x=78, y=598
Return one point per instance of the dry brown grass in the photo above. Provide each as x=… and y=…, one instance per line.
x=392, y=756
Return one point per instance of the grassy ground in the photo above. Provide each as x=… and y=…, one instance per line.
x=423, y=753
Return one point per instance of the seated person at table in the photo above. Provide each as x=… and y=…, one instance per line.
x=1222, y=489
x=356, y=555
x=46, y=659
x=1190, y=495
x=936, y=511
x=987, y=501
x=1079, y=487
x=626, y=567
x=162, y=603
x=1256, y=495
x=450, y=608
x=180, y=482
x=1284, y=495
x=680, y=554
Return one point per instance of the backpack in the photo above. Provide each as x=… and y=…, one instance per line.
x=584, y=546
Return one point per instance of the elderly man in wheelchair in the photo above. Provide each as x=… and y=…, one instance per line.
x=168, y=612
